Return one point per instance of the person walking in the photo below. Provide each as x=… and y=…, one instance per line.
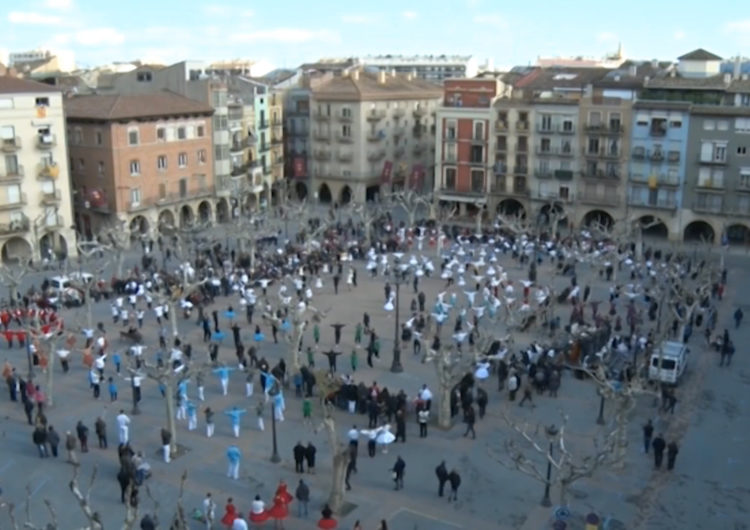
x=235, y=415
x=470, y=419
x=83, y=436
x=310, y=451
x=259, y=412
x=233, y=456
x=455, y=479
x=302, y=495
x=123, y=427
x=398, y=473
x=53, y=439
x=166, y=445
x=528, y=394
x=350, y=467
x=658, y=444
x=209, y=510
x=738, y=317
x=442, y=476
x=192, y=415
x=672, y=450
x=100, y=428
x=209, y=413
x=39, y=437
x=423, y=416
x=299, y=457
x=70, y=447
x=648, y=433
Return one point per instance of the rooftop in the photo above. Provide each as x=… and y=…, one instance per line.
x=16, y=85
x=552, y=78
x=739, y=85
x=123, y=107
x=365, y=86
x=699, y=55
x=714, y=82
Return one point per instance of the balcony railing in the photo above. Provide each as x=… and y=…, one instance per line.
x=344, y=139
x=501, y=126
x=46, y=141
x=602, y=152
x=375, y=114
x=543, y=173
x=657, y=156
x=554, y=151
x=53, y=221
x=673, y=157
x=478, y=139
x=375, y=136
x=608, y=198
x=477, y=161
x=322, y=155
x=522, y=147
x=420, y=112
x=638, y=153
x=16, y=226
x=398, y=130
x=715, y=206
x=276, y=140
x=603, y=128
x=665, y=203
x=565, y=129
x=322, y=136
x=418, y=149
x=501, y=148
x=374, y=156
x=599, y=174
x=714, y=160
x=521, y=170
x=711, y=184
x=564, y=174
x=345, y=157
x=658, y=131
x=13, y=173
x=545, y=128
x=52, y=197
x=522, y=125
x=552, y=195
x=320, y=115
x=10, y=145
x=399, y=151
x=399, y=112
x=346, y=118
x=500, y=168
x=20, y=203
x=417, y=131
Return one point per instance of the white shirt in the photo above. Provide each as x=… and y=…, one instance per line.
x=425, y=394
x=257, y=506
x=123, y=420
x=239, y=524
x=209, y=507
x=353, y=435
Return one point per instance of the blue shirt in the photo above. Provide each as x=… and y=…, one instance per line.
x=234, y=454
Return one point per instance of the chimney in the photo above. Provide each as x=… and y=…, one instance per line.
x=632, y=70
x=382, y=77
x=737, y=67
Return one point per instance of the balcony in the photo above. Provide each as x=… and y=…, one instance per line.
x=610, y=197
x=673, y=157
x=522, y=147
x=711, y=184
x=599, y=174
x=375, y=115
x=345, y=157
x=374, y=156
x=715, y=205
x=398, y=130
x=344, y=139
x=566, y=129
x=667, y=203
x=264, y=146
x=478, y=139
x=20, y=203
x=50, y=198
x=344, y=117
x=419, y=112
x=501, y=148
x=714, y=160
x=501, y=126
x=16, y=226
x=53, y=221
x=236, y=147
x=417, y=131
x=639, y=153
x=240, y=170
x=277, y=140
x=522, y=125
x=264, y=124
x=320, y=115
x=46, y=141
x=478, y=162
x=657, y=156
x=13, y=173
x=545, y=128
x=658, y=131
x=552, y=196
x=500, y=168
x=399, y=152
x=521, y=170
x=399, y=112
x=602, y=128
x=322, y=136
x=554, y=151
x=322, y=155
x=545, y=173
x=418, y=149
x=11, y=145
x=375, y=136
x=564, y=174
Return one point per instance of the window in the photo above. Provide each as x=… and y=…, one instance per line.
x=477, y=181
x=42, y=102
x=13, y=194
x=11, y=164
x=546, y=124
x=614, y=121
x=200, y=131
x=81, y=164
x=502, y=143
x=450, y=178
x=77, y=136
x=477, y=154
x=161, y=134
x=546, y=145
x=182, y=159
x=642, y=120
x=99, y=137
x=744, y=177
x=346, y=112
x=722, y=125
x=710, y=178
x=161, y=162
x=709, y=125
x=567, y=126
x=181, y=133
x=100, y=168
x=346, y=131
x=450, y=152
x=479, y=130
x=133, y=137
x=741, y=150
x=713, y=152
x=658, y=126
x=742, y=125
x=201, y=156
x=593, y=146
x=135, y=196
x=450, y=130
x=143, y=77
x=135, y=167
x=183, y=186
x=675, y=124
x=595, y=120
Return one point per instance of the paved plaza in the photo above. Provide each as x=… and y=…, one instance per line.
x=707, y=489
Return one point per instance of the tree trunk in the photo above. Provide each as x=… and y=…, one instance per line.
x=89, y=308
x=412, y=213
x=638, y=243
x=368, y=232
x=444, y=405
x=621, y=438
x=173, y=318
x=479, y=222
x=564, y=485
x=338, y=474
x=171, y=421
x=120, y=263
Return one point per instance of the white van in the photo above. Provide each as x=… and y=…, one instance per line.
x=674, y=358
x=59, y=283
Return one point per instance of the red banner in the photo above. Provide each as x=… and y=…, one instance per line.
x=387, y=169
x=417, y=177
x=299, y=166
x=97, y=198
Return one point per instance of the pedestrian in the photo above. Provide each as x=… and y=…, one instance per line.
x=442, y=476
x=233, y=456
x=53, y=439
x=124, y=479
x=672, y=451
x=209, y=510
x=28, y=408
x=310, y=451
x=528, y=393
x=39, y=437
x=112, y=387
x=455, y=479
x=398, y=473
x=727, y=350
x=354, y=360
x=469, y=419
x=353, y=437
x=351, y=466
x=316, y=334
x=209, y=422
x=303, y=497
x=307, y=410
x=117, y=360
x=100, y=427
x=648, y=432
x=423, y=416
x=123, y=427
x=299, y=457
x=513, y=384
x=235, y=416
x=658, y=444
x=83, y=436
x=70, y=447
x=738, y=317
x=400, y=425
x=250, y=374
x=166, y=445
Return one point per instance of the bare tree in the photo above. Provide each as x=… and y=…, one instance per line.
x=87, y=250
x=411, y=202
x=340, y=459
x=443, y=216
x=300, y=319
x=12, y=276
x=93, y=517
x=116, y=237
x=367, y=213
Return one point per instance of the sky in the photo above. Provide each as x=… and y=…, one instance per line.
x=285, y=33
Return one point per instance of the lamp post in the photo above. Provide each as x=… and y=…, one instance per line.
x=600, y=419
x=551, y=433
x=273, y=392
x=398, y=277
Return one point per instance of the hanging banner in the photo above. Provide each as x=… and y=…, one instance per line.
x=387, y=169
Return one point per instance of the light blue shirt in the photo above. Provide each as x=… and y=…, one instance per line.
x=234, y=454
x=235, y=415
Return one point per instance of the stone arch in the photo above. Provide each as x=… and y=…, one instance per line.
x=55, y=242
x=166, y=217
x=222, y=211
x=186, y=216
x=204, y=212
x=547, y=211
x=300, y=189
x=250, y=202
x=345, y=197
x=738, y=234
x=700, y=231
x=511, y=207
x=598, y=217
x=139, y=225
x=16, y=249
x=372, y=193
x=324, y=194
x=654, y=227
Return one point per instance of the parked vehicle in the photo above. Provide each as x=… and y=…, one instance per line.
x=674, y=359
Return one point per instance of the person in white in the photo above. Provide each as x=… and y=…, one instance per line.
x=123, y=427
x=239, y=523
x=209, y=510
x=257, y=506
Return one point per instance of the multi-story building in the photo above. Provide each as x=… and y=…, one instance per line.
x=464, y=139
x=142, y=159
x=36, y=216
x=297, y=137
x=371, y=130
x=434, y=68
x=246, y=172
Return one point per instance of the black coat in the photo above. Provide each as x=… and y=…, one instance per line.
x=455, y=479
x=299, y=453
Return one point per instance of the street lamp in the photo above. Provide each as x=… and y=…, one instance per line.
x=399, y=274
x=600, y=419
x=551, y=433
x=274, y=391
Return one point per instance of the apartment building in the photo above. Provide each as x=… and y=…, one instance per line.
x=371, y=134
x=297, y=138
x=433, y=68
x=246, y=172
x=143, y=160
x=464, y=143
x=36, y=218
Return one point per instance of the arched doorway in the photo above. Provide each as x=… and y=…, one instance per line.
x=300, y=189
x=738, y=234
x=186, y=216
x=324, y=194
x=139, y=225
x=53, y=245
x=166, y=218
x=511, y=208
x=222, y=211
x=653, y=227
x=598, y=218
x=553, y=211
x=372, y=193
x=251, y=202
x=699, y=231
x=204, y=212
x=16, y=250
x=346, y=195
